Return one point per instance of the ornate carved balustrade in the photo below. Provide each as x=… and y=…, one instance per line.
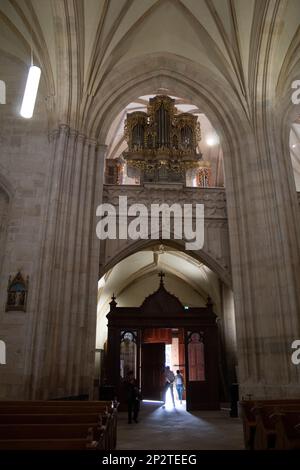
x=215, y=252
x=214, y=199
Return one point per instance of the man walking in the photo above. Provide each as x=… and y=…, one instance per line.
x=170, y=377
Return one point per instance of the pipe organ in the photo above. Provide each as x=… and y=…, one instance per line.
x=162, y=143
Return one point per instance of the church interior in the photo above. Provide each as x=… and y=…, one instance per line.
x=136, y=339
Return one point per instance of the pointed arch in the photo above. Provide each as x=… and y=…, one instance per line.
x=178, y=245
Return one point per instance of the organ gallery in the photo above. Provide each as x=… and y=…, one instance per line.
x=162, y=143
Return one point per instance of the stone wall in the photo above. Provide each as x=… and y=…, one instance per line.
x=24, y=159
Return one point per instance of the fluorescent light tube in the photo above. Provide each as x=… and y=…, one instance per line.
x=30, y=93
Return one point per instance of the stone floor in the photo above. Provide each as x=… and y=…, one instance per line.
x=171, y=429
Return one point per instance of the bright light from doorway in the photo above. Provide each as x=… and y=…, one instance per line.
x=168, y=355
x=152, y=401
x=169, y=403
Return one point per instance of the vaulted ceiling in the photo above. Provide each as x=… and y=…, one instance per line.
x=145, y=264
x=83, y=46
x=81, y=41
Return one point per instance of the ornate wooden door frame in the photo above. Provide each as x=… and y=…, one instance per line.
x=164, y=310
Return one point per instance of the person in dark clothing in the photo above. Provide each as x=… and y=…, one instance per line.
x=133, y=398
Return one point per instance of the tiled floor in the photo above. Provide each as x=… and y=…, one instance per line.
x=172, y=429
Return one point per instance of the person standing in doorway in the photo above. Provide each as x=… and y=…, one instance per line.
x=179, y=385
x=170, y=378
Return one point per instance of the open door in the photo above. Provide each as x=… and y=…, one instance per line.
x=201, y=369
x=153, y=362
x=181, y=354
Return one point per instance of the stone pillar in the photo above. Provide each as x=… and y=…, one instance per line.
x=4, y=205
x=229, y=328
x=63, y=341
x=264, y=237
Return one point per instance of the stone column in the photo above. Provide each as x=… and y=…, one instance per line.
x=4, y=205
x=229, y=328
x=264, y=237
x=63, y=342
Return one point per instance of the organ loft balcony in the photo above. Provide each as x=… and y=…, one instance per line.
x=162, y=148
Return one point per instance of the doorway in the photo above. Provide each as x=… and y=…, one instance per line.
x=161, y=347
x=140, y=340
x=152, y=364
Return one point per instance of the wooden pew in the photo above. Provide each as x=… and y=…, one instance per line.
x=48, y=407
x=51, y=410
x=251, y=417
x=85, y=442
x=50, y=418
x=56, y=403
x=287, y=427
x=49, y=431
x=266, y=434
x=71, y=423
x=49, y=444
x=249, y=422
x=94, y=436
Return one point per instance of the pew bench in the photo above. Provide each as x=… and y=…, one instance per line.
x=287, y=427
x=50, y=418
x=38, y=409
x=49, y=431
x=255, y=420
x=48, y=444
x=56, y=403
x=57, y=425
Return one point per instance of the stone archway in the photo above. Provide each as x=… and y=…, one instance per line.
x=122, y=252
x=253, y=193
x=252, y=215
x=132, y=274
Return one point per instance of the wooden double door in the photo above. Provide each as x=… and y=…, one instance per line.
x=152, y=370
x=153, y=359
x=128, y=350
x=197, y=363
